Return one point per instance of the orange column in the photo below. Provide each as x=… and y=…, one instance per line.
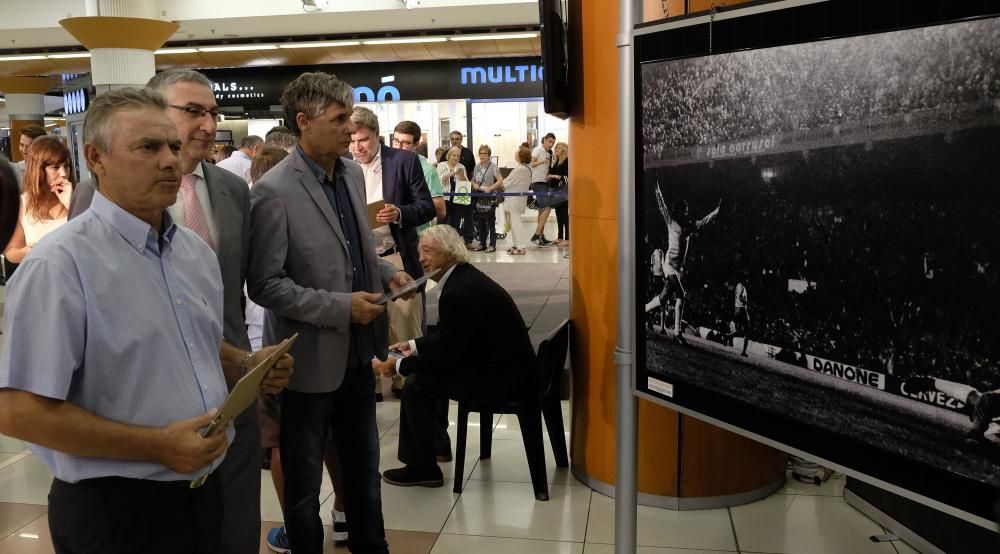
x=593, y=207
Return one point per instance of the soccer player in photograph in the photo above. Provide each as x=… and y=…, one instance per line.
x=680, y=229
x=741, y=315
x=656, y=262
x=983, y=407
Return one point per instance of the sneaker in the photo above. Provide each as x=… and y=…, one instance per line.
x=679, y=339
x=339, y=527
x=277, y=540
x=535, y=239
x=408, y=476
x=490, y=249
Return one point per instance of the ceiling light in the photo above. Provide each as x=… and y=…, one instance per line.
x=238, y=48
x=70, y=55
x=410, y=4
x=20, y=58
x=412, y=40
x=320, y=44
x=501, y=36
x=177, y=51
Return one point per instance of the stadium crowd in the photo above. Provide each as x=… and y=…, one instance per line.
x=717, y=99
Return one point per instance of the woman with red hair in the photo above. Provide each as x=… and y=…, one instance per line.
x=48, y=185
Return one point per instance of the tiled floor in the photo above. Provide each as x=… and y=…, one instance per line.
x=496, y=512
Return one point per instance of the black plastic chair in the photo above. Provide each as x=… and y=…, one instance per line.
x=551, y=358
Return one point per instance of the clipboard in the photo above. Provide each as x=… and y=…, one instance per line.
x=410, y=287
x=243, y=394
x=373, y=209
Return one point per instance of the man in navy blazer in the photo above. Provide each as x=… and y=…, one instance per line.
x=396, y=177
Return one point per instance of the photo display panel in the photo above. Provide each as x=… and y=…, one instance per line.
x=818, y=241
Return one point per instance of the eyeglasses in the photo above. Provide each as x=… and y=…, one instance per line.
x=396, y=143
x=196, y=112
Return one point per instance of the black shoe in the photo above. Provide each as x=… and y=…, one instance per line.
x=444, y=458
x=542, y=241
x=379, y=397
x=408, y=476
x=679, y=339
x=396, y=391
x=534, y=239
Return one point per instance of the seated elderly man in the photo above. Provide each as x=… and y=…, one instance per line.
x=114, y=361
x=468, y=356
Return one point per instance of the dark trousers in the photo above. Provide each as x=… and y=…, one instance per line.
x=240, y=477
x=423, y=420
x=487, y=228
x=114, y=514
x=562, y=220
x=459, y=216
x=349, y=413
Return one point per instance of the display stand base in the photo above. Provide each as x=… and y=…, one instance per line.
x=900, y=516
x=684, y=504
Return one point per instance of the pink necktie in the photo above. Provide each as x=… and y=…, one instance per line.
x=193, y=213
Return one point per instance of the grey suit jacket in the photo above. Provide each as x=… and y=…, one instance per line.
x=300, y=270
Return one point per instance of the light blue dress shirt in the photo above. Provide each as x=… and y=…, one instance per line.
x=101, y=316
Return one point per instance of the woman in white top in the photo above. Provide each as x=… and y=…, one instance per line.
x=450, y=171
x=518, y=181
x=48, y=186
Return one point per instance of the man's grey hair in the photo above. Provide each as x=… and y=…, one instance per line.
x=164, y=79
x=363, y=117
x=97, y=125
x=285, y=141
x=449, y=240
x=312, y=94
x=251, y=141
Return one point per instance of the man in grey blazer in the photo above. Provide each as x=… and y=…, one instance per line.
x=216, y=205
x=314, y=268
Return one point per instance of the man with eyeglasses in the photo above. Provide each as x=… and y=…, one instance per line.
x=407, y=136
x=215, y=204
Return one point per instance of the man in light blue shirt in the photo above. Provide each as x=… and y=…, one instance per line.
x=114, y=358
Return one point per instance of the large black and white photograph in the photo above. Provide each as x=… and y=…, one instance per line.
x=820, y=236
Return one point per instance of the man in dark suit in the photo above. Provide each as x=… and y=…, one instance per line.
x=468, y=356
x=215, y=204
x=315, y=269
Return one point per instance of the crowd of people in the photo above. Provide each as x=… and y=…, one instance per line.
x=542, y=171
x=755, y=93
x=172, y=272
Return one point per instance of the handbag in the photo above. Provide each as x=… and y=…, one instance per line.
x=462, y=196
x=485, y=205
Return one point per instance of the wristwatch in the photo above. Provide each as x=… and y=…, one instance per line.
x=243, y=363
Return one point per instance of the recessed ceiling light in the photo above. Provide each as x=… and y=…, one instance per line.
x=20, y=58
x=320, y=44
x=238, y=48
x=177, y=51
x=500, y=36
x=70, y=55
x=411, y=40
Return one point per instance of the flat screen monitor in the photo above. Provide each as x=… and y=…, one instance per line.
x=817, y=218
x=555, y=60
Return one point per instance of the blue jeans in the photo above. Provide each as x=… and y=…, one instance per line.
x=305, y=420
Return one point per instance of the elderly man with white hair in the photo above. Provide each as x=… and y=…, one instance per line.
x=467, y=357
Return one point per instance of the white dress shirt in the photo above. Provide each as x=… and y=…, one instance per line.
x=435, y=291
x=201, y=188
x=238, y=164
